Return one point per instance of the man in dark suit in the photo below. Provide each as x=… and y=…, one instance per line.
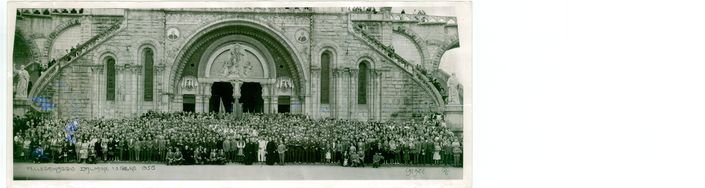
x=188, y=155
x=271, y=155
x=428, y=151
x=250, y=151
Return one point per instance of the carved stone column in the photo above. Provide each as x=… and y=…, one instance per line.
x=198, y=102
x=237, y=107
x=377, y=95
x=337, y=94
x=316, y=90
x=265, y=97
x=205, y=104
x=352, y=108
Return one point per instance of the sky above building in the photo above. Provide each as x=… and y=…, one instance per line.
x=450, y=62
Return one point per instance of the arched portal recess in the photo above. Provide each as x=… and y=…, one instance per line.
x=270, y=59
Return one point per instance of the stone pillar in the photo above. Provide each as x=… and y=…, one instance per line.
x=178, y=102
x=372, y=93
x=352, y=108
x=199, y=102
x=454, y=118
x=266, y=98
x=138, y=100
x=97, y=86
x=378, y=92
x=205, y=90
x=166, y=101
x=275, y=103
x=237, y=107
x=335, y=102
x=347, y=85
x=159, y=91
x=295, y=107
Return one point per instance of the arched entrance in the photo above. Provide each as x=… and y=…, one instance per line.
x=250, y=58
x=221, y=96
x=251, y=97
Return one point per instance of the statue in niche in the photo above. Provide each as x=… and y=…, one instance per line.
x=453, y=94
x=22, y=82
x=232, y=68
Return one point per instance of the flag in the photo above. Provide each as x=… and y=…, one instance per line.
x=222, y=106
x=70, y=128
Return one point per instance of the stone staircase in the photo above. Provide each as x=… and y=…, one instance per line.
x=44, y=84
x=400, y=62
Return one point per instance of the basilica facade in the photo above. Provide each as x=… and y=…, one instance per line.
x=322, y=62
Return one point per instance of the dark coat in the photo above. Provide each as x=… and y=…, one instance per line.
x=271, y=156
x=250, y=153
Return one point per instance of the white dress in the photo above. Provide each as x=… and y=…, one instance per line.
x=436, y=153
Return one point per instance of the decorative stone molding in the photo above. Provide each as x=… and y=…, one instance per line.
x=96, y=68
x=159, y=68
x=131, y=68
x=189, y=85
x=284, y=83
x=267, y=36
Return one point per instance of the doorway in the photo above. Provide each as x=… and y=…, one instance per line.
x=251, y=97
x=284, y=104
x=221, y=92
x=189, y=103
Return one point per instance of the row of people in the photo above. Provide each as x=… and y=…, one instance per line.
x=302, y=140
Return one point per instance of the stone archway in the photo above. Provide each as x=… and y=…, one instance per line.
x=196, y=59
x=282, y=51
x=455, y=43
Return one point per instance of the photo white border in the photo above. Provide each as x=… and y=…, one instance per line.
x=464, y=18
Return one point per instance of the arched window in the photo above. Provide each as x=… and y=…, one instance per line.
x=325, y=77
x=110, y=78
x=362, y=83
x=148, y=60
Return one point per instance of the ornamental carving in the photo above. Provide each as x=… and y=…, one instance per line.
x=284, y=83
x=189, y=83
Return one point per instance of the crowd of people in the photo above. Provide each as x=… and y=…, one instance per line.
x=372, y=10
x=218, y=138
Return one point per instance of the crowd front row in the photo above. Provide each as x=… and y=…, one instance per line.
x=197, y=139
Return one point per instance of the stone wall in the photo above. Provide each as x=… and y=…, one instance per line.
x=72, y=91
x=391, y=92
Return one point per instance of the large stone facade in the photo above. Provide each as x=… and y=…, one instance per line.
x=282, y=46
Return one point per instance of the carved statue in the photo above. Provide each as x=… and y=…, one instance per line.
x=453, y=94
x=22, y=82
x=232, y=67
x=246, y=68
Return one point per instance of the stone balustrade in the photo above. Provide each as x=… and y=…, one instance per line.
x=411, y=18
x=65, y=60
x=49, y=11
x=417, y=72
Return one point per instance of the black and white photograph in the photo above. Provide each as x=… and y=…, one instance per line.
x=353, y=94
x=240, y=93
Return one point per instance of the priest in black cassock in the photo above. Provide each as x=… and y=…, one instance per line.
x=250, y=151
x=271, y=156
